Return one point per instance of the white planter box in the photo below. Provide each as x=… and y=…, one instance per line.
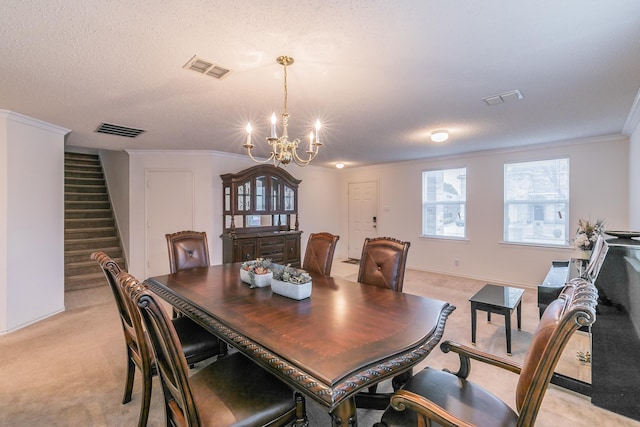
x=260, y=280
x=291, y=290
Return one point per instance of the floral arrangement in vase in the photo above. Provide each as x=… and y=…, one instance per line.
x=291, y=275
x=588, y=233
x=257, y=272
x=291, y=282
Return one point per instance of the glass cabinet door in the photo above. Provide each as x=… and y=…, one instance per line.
x=261, y=193
x=227, y=198
x=275, y=194
x=289, y=199
x=244, y=197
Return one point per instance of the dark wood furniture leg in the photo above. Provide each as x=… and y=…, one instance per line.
x=474, y=322
x=507, y=329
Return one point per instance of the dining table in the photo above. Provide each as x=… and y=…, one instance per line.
x=344, y=338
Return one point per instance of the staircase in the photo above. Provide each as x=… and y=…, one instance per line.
x=88, y=222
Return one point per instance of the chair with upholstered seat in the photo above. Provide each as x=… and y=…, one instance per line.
x=318, y=256
x=383, y=262
x=448, y=399
x=187, y=249
x=197, y=343
x=232, y=391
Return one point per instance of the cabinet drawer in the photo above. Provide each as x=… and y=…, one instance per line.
x=271, y=250
x=271, y=241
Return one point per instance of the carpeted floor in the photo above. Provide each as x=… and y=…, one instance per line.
x=69, y=370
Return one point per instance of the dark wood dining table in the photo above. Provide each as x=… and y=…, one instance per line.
x=346, y=337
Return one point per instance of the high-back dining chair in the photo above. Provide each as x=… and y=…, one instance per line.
x=197, y=343
x=232, y=391
x=187, y=249
x=383, y=262
x=318, y=256
x=448, y=399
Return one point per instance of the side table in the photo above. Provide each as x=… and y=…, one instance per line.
x=500, y=300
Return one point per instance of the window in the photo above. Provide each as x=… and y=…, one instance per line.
x=444, y=197
x=536, y=202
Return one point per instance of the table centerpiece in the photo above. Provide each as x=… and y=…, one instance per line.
x=257, y=273
x=291, y=282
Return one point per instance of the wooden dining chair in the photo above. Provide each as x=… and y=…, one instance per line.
x=187, y=249
x=318, y=256
x=448, y=399
x=383, y=262
x=197, y=343
x=232, y=391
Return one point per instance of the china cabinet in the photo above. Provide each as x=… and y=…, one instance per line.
x=260, y=216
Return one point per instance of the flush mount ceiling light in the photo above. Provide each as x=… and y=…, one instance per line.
x=439, y=135
x=339, y=165
x=284, y=151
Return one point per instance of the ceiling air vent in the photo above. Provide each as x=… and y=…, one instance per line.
x=501, y=98
x=201, y=66
x=111, y=129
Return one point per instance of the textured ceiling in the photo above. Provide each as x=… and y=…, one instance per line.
x=379, y=74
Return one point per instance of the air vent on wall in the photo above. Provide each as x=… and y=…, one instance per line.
x=111, y=129
x=201, y=66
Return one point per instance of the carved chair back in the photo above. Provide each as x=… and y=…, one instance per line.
x=383, y=262
x=187, y=249
x=574, y=308
x=318, y=257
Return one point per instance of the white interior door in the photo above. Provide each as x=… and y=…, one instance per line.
x=363, y=212
x=169, y=208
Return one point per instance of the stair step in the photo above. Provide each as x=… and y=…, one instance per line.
x=80, y=156
x=82, y=268
x=77, y=167
x=79, y=223
x=85, y=254
x=88, y=233
x=87, y=213
x=91, y=189
x=84, y=181
x=94, y=244
x=84, y=281
x=85, y=197
x=86, y=204
x=83, y=174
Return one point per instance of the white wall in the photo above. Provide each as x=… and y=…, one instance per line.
x=317, y=211
x=115, y=165
x=32, y=220
x=599, y=189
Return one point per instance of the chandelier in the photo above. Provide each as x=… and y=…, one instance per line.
x=284, y=151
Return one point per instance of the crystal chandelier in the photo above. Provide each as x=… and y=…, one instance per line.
x=284, y=151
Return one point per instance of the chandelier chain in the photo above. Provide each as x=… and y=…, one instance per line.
x=286, y=91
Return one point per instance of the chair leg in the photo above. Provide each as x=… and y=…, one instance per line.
x=128, y=386
x=301, y=411
x=146, y=399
